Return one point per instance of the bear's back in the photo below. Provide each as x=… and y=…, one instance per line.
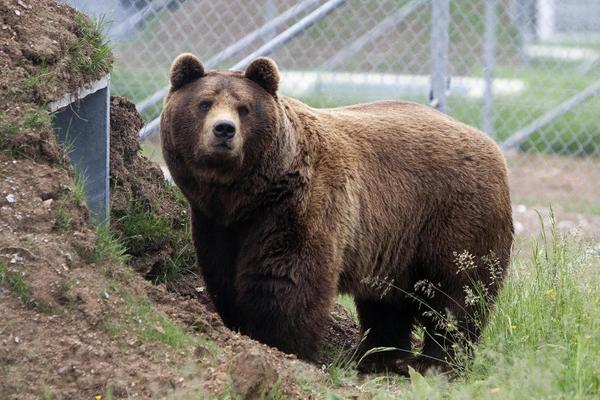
x=415, y=176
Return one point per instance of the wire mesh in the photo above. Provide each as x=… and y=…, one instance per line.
x=511, y=65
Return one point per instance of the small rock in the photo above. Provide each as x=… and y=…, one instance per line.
x=200, y=351
x=17, y=340
x=10, y=198
x=16, y=258
x=47, y=203
x=199, y=289
x=18, y=13
x=252, y=374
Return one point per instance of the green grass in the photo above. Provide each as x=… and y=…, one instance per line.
x=584, y=207
x=153, y=326
x=46, y=393
x=114, y=328
x=578, y=206
x=79, y=183
x=23, y=119
x=142, y=229
x=108, y=247
x=542, y=339
x=38, y=118
x=547, y=85
x=64, y=206
x=14, y=281
x=63, y=218
x=8, y=129
x=90, y=53
x=546, y=325
x=273, y=393
x=347, y=302
x=36, y=79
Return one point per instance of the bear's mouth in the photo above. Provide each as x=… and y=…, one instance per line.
x=223, y=145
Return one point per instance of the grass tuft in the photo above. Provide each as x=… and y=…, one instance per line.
x=33, y=83
x=143, y=229
x=90, y=53
x=108, y=248
x=79, y=183
x=38, y=118
x=63, y=218
x=13, y=281
x=154, y=326
x=347, y=302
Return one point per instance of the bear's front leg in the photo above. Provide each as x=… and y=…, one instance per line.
x=285, y=293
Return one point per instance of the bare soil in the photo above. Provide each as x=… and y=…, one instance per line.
x=548, y=190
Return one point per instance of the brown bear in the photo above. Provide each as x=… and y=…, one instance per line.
x=291, y=205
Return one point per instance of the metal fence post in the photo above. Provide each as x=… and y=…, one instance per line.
x=489, y=59
x=440, y=19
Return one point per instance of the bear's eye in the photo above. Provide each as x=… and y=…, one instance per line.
x=205, y=105
x=243, y=111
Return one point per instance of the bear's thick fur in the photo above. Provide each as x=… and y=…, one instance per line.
x=291, y=205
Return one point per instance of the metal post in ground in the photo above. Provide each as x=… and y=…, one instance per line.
x=440, y=19
x=489, y=60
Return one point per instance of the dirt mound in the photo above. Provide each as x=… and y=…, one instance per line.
x=147, y=211
x=60, y=303
x=48, y=50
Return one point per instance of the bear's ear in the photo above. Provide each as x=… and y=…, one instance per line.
x=264, y=72
x=185, y=69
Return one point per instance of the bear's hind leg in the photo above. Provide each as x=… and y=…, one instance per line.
x=388, y=325
x=450, y=330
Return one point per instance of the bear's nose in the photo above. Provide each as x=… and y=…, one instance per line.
x=224, y=129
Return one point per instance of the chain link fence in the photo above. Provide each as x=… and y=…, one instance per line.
x=527, y=72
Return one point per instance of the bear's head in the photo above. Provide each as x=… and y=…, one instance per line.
x=218, y=125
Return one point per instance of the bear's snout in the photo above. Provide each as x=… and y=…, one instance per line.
x=224, y=129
